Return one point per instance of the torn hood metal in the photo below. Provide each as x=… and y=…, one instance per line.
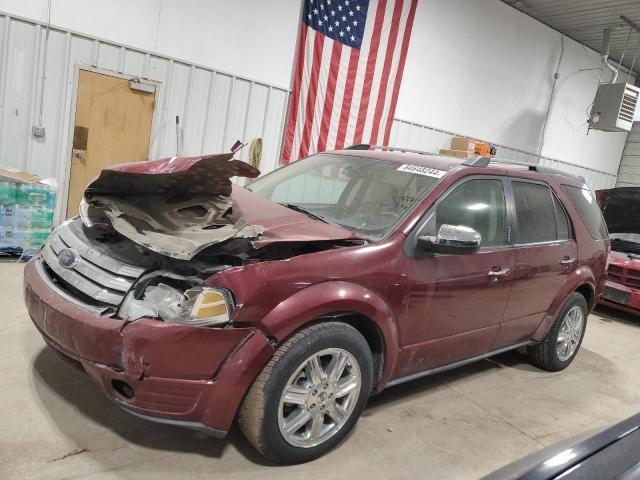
x=621, y=209
x=179, y=206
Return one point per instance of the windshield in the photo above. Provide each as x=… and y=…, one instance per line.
x=361, y=194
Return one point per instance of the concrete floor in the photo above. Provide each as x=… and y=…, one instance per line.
x=55, y=423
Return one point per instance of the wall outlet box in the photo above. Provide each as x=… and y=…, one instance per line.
x=38, y=131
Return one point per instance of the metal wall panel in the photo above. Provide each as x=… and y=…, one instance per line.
x=215, y=108
x=422, y=137
x=629, y=173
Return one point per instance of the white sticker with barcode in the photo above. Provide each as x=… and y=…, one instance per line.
x=421, y=170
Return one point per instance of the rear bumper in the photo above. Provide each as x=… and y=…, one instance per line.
x=186, y=376
x=631, y=303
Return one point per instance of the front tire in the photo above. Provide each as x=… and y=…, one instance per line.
x=310, y=394
x=561, y=345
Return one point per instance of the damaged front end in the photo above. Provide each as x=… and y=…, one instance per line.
x=178, y=300
x=176, y=207
x=182, y=221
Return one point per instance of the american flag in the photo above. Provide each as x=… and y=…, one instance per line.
x=349, y=65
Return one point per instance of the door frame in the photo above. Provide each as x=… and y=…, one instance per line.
x=63, y=187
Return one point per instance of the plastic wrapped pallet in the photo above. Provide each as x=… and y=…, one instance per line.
x=26, y=211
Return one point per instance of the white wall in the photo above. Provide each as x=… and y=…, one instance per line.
x=484, y=69
x=215, y=108
x=474, y=67
x=250, y=38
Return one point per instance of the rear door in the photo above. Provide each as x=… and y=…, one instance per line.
x=545, y=255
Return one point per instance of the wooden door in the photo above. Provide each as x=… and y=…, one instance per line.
x=112, y=125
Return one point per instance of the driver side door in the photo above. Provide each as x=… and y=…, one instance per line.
x=457, y=301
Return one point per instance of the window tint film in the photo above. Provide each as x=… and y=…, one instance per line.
x=585, y=203
x=536, y=213
x=478, y=204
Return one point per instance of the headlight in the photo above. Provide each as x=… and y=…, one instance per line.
x=198, y=306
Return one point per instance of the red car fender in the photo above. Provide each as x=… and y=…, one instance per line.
x=326, y=298
x=578, y=278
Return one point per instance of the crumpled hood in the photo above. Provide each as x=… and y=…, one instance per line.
x=179, y=206
x=282, y=224
x=621, y=209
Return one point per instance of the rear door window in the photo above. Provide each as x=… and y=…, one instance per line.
x=584, y=201
x=540, y=218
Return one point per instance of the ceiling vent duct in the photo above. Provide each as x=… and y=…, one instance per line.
x=614, y=107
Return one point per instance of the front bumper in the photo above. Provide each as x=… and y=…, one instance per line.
x=621, y=297
x=188, y=376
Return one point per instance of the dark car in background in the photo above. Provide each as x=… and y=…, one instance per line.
x=288, y=303
x=605, y=454
x=621, y=210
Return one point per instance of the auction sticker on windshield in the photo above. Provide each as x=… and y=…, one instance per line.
x=420, y=170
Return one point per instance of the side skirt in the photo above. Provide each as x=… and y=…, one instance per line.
x=451, y=366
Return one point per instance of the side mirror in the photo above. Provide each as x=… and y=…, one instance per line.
x=451, y=239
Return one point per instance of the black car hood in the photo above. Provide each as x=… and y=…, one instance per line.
x=621, y=209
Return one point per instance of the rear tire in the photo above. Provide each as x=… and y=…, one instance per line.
x=326, y=371
x=562, y=343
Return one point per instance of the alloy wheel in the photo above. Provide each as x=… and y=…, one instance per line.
x=319, y=398
x=570, y=333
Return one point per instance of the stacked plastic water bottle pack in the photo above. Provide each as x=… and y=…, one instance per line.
x=26, y=215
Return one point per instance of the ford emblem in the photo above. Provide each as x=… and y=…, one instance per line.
x=68, y=258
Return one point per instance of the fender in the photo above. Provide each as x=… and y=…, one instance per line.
x=326, y=298
x=579, y=277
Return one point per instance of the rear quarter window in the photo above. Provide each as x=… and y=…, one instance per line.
x=585, y=203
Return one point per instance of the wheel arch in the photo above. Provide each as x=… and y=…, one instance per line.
x=588, y=292
x=582, y=282
x=347, y=302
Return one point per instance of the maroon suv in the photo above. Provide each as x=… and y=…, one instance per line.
x=288, y=303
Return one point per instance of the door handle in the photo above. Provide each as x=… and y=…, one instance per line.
x=567, y=261
x=498, y=273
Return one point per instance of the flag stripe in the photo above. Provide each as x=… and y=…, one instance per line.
x=384, y=80
x=398, y=80
x=348, y=98
x=406, y=6
x=323, y=81
x=377, y=74
x=302, y=101
x=341, y=85
x=371, y=64
x=295, y=96
x=392, y=76
x=311, y=96
x=334, y=65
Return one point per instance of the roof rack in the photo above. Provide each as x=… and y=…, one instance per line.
x=366, y=146
x=482, y=162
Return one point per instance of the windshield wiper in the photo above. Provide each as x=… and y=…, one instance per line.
x=307, y=212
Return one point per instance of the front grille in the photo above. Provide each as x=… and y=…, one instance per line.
x=624, y=276
x=95, y=279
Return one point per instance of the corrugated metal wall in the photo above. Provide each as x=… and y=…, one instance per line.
x=629, y=173
x=430, y=139
x=215, y=108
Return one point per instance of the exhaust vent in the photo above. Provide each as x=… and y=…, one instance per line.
x=614, y=107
